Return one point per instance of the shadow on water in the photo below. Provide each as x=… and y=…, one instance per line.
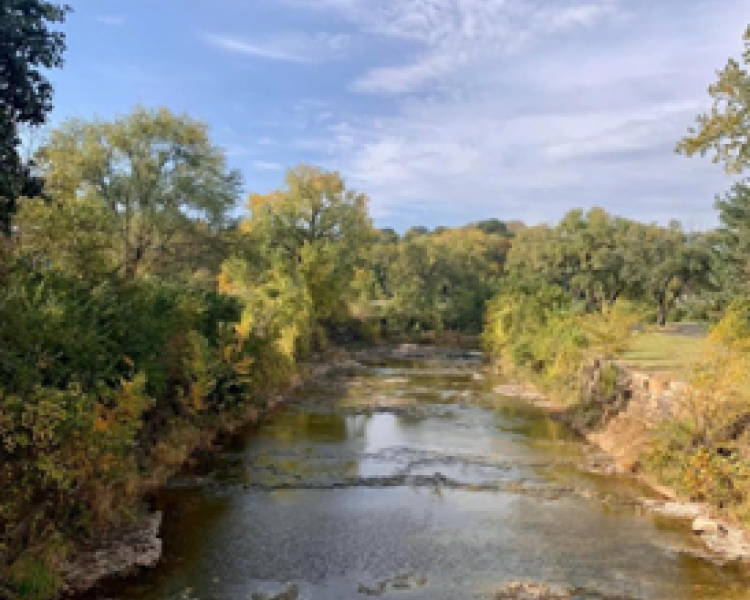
x=409, y=479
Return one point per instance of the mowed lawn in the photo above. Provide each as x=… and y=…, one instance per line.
x=672, y=351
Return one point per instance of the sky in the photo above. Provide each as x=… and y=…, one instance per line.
x=442, y=111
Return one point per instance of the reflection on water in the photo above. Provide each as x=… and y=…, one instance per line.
x=438, y=490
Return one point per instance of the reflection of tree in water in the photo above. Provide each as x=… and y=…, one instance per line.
x=296, y=427
x=515, y=419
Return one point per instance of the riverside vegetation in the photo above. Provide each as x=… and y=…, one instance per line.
x=138, y=315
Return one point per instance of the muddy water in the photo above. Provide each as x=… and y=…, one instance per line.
x=412, y=479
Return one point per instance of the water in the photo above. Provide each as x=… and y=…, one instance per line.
x=412, y=479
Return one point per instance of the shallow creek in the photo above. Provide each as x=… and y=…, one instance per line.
x=410, y=478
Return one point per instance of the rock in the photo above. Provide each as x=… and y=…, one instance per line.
x=519, y=391
x=730, y=543
x=377, y=590
x=703, y=526
x=121, y=554
x=678, y=510
x=290, y=593
x=532, y=591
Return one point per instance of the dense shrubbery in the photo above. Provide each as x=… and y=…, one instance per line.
x=705, y=453
x=538, y=329
x=91, y=378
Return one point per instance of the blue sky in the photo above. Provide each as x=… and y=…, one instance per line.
x=442, y=111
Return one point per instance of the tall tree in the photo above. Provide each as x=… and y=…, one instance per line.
x=314, y=228
x=734, y=233
x=27, y=47
x=667, y=264
x=724, y=130
x=585, y=253
x=154, y=174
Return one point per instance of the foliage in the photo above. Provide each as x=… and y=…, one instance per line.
x=539, y=329
x=92, y=376
x=724, y=130
x=703, y=452
x=307, y=235
x=435, y=281
x=733, y=237
x=156, y=178
x=28, y=47
x=600, y=258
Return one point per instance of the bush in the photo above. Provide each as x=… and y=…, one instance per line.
x=705, y=454
x=92, y=377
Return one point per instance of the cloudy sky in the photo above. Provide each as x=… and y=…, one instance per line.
x=443, y=111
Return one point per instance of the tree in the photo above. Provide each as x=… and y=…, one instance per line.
x=724, y=130
x=586, y=253
x=444, y=279
x=156, y=176
x=314, y=228
x=493, y=226
x=734, y=233
x=667, y=264
x=27, y=46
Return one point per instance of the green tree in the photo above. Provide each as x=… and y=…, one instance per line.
x=667, y=264
x=493, y=226
x=314, y=229
x=27, y=48
x=155, y=176
x=586, y=253
x=444, y=279
x=734, y=233
x=724, y=130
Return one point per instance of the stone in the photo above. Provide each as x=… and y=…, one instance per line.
x=702, y=526
x=518, y=590
x=121, y=554
x=678, y=510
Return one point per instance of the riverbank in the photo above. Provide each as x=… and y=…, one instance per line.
x=622, y=423
x=122, y=553
x=409, y=474
x=124, y=550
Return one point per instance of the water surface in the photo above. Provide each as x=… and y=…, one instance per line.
x=412, y=479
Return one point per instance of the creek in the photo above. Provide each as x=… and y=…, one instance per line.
x=409, y=477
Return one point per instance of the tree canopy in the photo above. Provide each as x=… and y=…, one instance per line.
x=28, y=47
x=151, y=179
x=724, y=129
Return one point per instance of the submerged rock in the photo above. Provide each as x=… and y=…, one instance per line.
x=405, y=581
x=290, y=593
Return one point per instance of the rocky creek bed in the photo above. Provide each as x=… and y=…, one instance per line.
x=407, y=475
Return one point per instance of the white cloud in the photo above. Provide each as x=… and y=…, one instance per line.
x=262, y=165
x=111, y=20
x=233, y=44
x=527, y=108
x=288, y=47
x=398, y=80
x=451, y=33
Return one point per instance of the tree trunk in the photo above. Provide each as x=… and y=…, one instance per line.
x=663, y=311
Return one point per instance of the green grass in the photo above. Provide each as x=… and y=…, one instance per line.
x=665, y=352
